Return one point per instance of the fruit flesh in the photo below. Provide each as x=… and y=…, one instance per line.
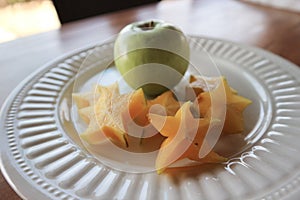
x=168, y=101
x=185, y=136
x=112, y=114
x=124, y=119
x=233, y=106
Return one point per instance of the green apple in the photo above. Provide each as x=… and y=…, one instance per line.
x=152, y=55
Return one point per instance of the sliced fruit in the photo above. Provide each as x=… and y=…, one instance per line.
x=103, y=113
x=203, y=83
x=107, y=112
x=234, y=106
x=86, y=99
x=185, y=135
x=168, y=101
x=81, y=100
x=138, y=108
x=234, y=120
x=93, y=134
x=115, y=135
x=85, y=113
x=116, y=116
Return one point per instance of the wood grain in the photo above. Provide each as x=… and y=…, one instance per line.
x=275, y=30
x=6, y=192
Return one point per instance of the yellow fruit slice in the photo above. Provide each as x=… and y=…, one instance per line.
x=93, y=134
x=113, y=114
x=86, y=99
x=116, y=136
x=103, y=113
x=168, y=101
x=138, y=108
x=185, y=136
x=107, y=112
x=86, y=109
x=81, y=100
x=85, y=113
x=234, y=106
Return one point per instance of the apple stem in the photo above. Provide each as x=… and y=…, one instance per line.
x=147, y=26
x=151, y=24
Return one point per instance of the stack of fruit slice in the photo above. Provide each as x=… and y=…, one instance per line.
x=176, y=129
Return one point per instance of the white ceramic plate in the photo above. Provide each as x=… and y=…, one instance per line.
x=43, y=158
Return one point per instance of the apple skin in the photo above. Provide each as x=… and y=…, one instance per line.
x=151, y=44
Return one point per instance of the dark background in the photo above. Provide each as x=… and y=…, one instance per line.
x=70, y=10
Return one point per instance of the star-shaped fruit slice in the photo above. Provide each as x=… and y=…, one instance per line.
x=185, y=136
x=118, y=117
x=104, y=118
x=138, y=123
x=223, y=99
